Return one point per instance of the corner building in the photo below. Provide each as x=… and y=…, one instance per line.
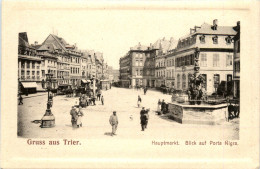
x=215, y=50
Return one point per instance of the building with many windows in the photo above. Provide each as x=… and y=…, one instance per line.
x=29, y=66
x=212, y=44
x=163, y=47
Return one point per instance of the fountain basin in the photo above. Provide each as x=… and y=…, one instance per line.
x=198, y=114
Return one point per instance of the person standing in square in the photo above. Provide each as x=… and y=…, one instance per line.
x=113, y=120
x=102, y=100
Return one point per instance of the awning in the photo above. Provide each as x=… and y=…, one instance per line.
x=29, y=84
x=84, y=81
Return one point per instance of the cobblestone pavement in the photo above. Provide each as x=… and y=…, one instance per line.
x=96, y=119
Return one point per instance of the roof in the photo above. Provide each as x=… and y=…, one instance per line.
x=221, y=30
x=165, y=45
x=48, y=47
x=207, y=29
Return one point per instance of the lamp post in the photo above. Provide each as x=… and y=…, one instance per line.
x=48, y=119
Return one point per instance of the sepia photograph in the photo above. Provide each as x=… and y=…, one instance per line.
x=174, y=79
x=134, y=85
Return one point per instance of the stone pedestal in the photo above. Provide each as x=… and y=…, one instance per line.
x=198, y=114
x=48, y=120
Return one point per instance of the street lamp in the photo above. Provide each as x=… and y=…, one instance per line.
x=48, y=119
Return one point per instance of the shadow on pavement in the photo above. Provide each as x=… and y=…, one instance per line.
x=107, y=133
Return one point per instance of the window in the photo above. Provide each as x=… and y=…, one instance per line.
x=187, y=60
x=141, y=72
x=215, y=40
x=183, y=81
x=202, y=39
x=22, y=72
x=229, y=60
x=28, y=73
x=228, y=40
x=136, y=63
x=33, y=65
x=204, y=84
x=216, y=81
x=215, y=60
x=203, y=60
x=178, y=81
x=192, y=59
x=141, y=63
x=33, y=73
x=172, y=62
x=229, y=78
x=28, y=65
x=136, y=72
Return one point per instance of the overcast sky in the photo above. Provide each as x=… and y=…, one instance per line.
x=113, y=32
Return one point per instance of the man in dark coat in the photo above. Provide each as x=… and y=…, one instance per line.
x=163, y=106
x=143, y=119
x=142, y=111
x=20, y=99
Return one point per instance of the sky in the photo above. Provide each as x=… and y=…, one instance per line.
x=113, y=32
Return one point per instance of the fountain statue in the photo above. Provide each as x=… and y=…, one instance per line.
x=195, y=92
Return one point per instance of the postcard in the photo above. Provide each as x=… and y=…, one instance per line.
x=130, y=85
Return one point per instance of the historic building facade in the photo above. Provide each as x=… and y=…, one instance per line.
x=212, y=44
x=55, y=56
x=29, y=66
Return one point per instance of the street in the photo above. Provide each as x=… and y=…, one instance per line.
x=96, y=119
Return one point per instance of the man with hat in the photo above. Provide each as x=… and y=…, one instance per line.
x=74, y=116
x=113, y=120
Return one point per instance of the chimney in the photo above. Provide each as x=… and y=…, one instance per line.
x=215, y=24
x=35, y=43
x=238, y=23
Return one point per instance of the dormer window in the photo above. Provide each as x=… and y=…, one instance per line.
x=202, y=39
x=228, y=40
x=215, y=40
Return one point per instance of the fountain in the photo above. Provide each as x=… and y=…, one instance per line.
x=198, y=110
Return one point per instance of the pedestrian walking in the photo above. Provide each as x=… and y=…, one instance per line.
x=159, y=106
x=98, y=95
x=113, y=120
x=142, y=112
x=139, y=101
x=102, y=100
x=20, y=99
x=74, y=117
x=143, y=119
x=80, y=115
x=163, y=107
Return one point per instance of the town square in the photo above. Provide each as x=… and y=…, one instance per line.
x=165, y=88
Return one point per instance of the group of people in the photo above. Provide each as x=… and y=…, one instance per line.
x=85, y=100
x=76, y=116
x=161, y=107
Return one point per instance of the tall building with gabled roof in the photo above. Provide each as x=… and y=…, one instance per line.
x=208, y=49
x=71, y=51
